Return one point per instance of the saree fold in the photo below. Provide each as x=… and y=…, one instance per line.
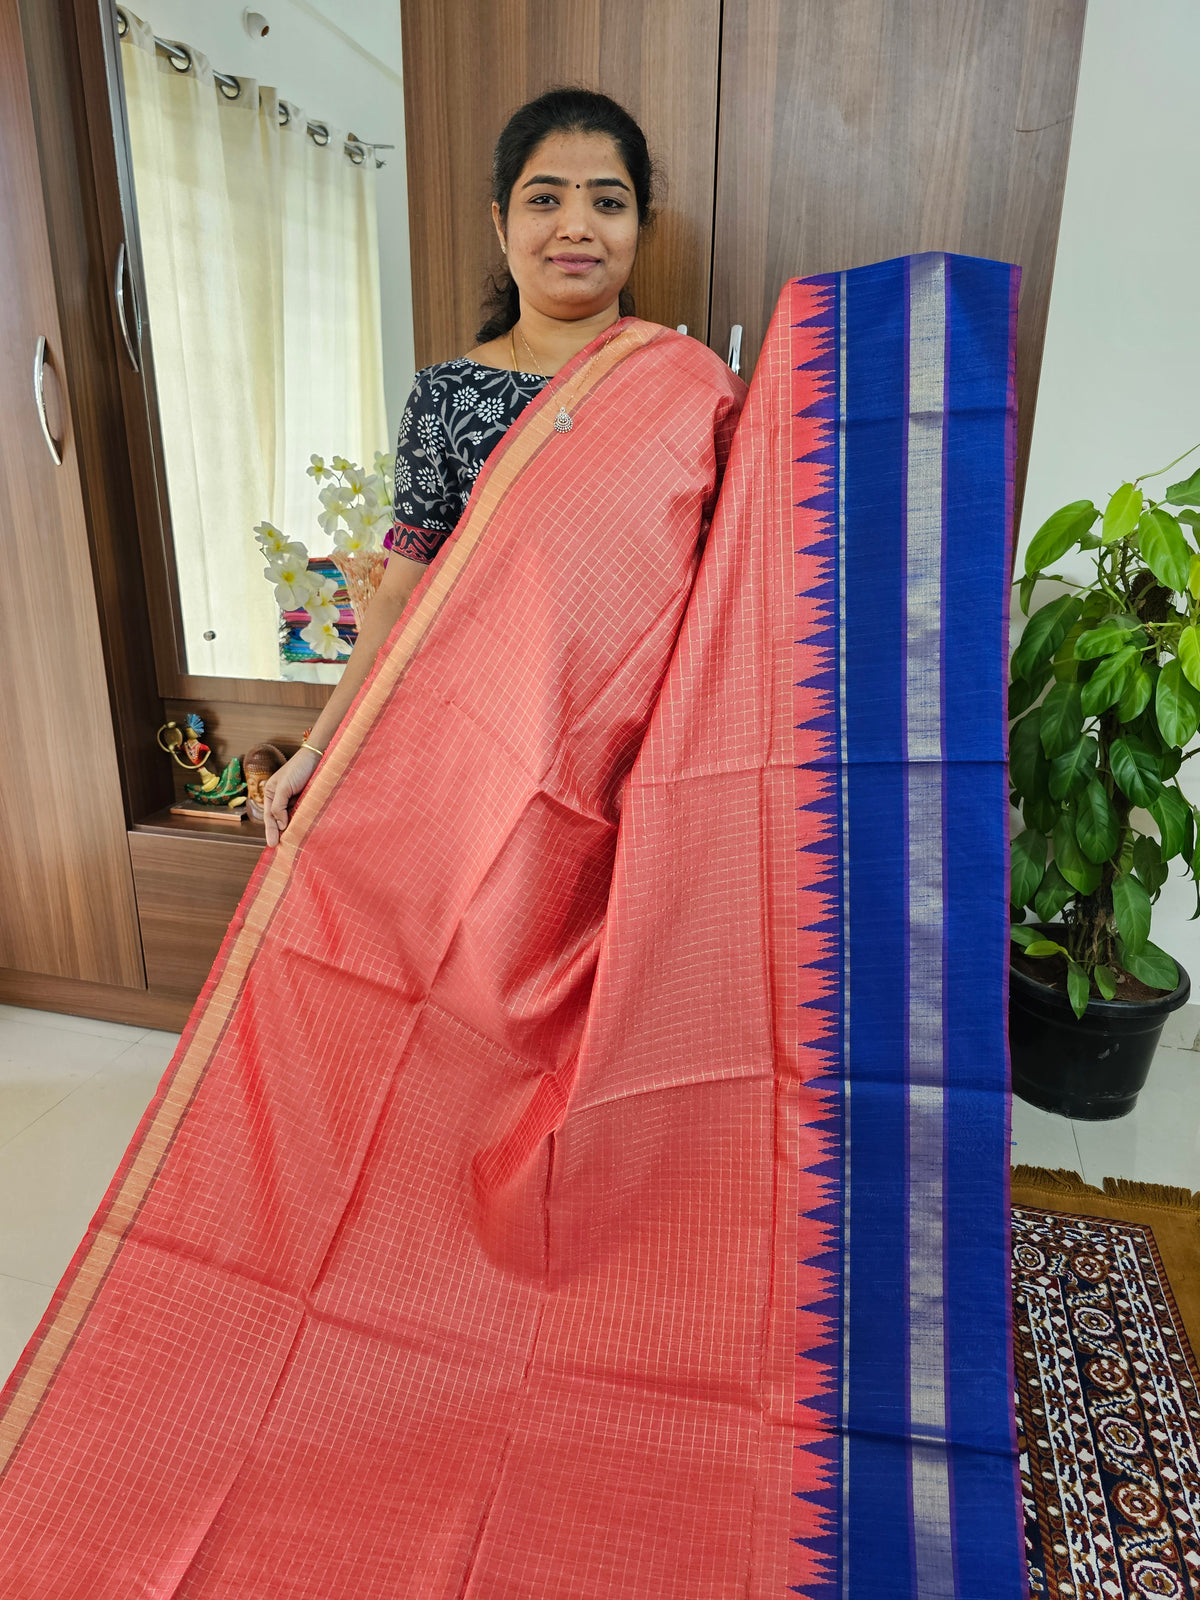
x=584, y=1173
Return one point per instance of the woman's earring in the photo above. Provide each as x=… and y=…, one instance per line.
x=503, y=248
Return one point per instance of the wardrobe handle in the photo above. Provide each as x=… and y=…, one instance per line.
x=734, y=358
x=119, y=297
x=681, y=327
x=39, y=397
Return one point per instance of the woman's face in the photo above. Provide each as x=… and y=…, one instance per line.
x=572, y=226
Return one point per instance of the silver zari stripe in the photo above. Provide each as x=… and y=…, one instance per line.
x=933, y=1555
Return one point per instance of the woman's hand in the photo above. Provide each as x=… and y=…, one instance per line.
x=282, y=788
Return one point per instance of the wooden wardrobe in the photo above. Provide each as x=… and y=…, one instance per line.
x=793, y=136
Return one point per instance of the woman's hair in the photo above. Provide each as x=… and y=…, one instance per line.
x=560, y=111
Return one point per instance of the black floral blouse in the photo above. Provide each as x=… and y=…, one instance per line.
x=456, y=415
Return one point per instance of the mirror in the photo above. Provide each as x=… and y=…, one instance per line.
x=267, y=153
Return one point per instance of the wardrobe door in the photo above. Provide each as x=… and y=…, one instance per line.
x=866, y=129
x=66, y=886
x=468, y=64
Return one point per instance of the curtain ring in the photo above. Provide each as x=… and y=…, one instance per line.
x=356, y=154
x=318, y=133
x=230, y=94
x=285, y=116
x=178, y=50
x=122, y=23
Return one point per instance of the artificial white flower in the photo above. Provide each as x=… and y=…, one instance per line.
x=333, y=496
x=324, y=640
x=354, y=480
x=340, y=464
x=323, y=593
x=318, y=469
x=329, y=520
x=385, y=465
x=293, y=583
x=350, y=541
x=272, y=540
x=324, y=611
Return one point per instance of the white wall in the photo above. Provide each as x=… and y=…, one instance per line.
x=1120, y=385
x=341, y=64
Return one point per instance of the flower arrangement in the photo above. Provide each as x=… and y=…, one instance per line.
x=356, y=513
x=1105, y=706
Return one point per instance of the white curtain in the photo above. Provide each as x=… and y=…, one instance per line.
x=261, y=261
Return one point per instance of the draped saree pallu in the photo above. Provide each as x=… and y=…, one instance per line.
x=584, y=1174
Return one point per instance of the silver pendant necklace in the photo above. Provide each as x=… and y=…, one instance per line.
x=563, y=422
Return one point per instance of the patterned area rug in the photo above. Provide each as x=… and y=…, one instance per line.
x=1108, y=1390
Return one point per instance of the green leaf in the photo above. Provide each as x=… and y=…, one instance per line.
x=1185, y=493
x=1152, y=966
x=1028, y=864
x=1148, y=862
x=1164, y=549
x=1075, y=867
x=1122, y=513
x=1044, y=947
x=1176, y=706
x=1026, y=762
x=1079, y=987
x=1044, y=632
x=1058, y=533
x=1189, y=655
x=1025, y=595
x=1106, y=981
x=1109, y=681
x=1194, y=577
x=1062, y=719
x=1053, y=895
x=1021, y=695
x=1135, y=770
x=1020, y=933
x=1139, y=692
x=1102, y=641
x=1131, y=908
x=1173, y=814
x=1040, y=812
x=1096, y=824
x=1070, y=771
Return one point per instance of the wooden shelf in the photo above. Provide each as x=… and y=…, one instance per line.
x=249, y=834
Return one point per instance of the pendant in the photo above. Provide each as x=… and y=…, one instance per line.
x=563, y=422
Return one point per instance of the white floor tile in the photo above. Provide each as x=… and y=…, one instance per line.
x=1182, y=1030
x=1040, y=1139
x=1159, y=1142
x=55, y=1019
x=41, y=1064
x=21, y=1308
x=53, y=1173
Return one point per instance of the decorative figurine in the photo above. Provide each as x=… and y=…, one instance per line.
x=229, y=789
x=219, y=799
x=173, y=739
x=258, y=764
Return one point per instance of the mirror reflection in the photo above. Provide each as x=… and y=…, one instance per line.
x=272, y=217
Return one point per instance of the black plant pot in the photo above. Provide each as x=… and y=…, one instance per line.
x=1090, y=1067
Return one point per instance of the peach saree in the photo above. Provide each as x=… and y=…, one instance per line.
x=488, y=1238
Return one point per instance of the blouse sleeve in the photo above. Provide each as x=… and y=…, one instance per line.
x=425, y=514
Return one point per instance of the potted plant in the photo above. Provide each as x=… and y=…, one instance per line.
x=1104, y=702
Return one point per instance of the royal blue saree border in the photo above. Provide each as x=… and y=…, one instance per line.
x=936, y=1518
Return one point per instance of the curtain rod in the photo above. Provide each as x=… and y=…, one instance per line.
x=355, y=148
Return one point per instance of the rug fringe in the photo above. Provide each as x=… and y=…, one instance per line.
x=1152, y=1194
x=1061, y=1180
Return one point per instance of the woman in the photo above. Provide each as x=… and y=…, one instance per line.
x=572, y=192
